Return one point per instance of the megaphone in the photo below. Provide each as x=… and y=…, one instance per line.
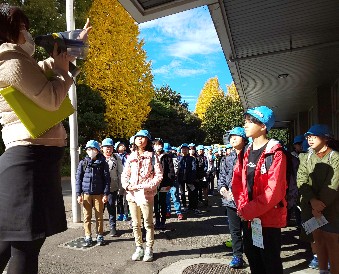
x=67, y=41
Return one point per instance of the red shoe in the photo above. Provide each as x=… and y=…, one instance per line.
x=180, y=217
x=168, y=215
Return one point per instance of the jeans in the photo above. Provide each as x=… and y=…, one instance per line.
x=160, y=207
x=174, y=194
x=22, y=256
x=235, y=226
x=89, y=202
x=147, y=212
x=122, y=204
x=267, y=260
x=112, y=210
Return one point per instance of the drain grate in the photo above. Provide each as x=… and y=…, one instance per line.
x=78, y=244
x=212, y=269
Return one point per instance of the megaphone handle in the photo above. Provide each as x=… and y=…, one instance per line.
x=73, y=69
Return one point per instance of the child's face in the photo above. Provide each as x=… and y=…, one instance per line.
x=121, y=148
x=316, y=142
x=140, y=141
x=107, y=151
x=237, y=142
x=253, y=129
x=298, y=147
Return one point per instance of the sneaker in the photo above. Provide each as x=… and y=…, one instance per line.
x=100, y=240
x=113, y=232
x=88, y=242
x=197, y=212
x=138, y=254
x=314, y=264
x=148, y=257
x=120, y=217
x=180, y=217
x=157, y=226
x=162, y=226
x=168, y=215
x=236, y=262
x=125, y=217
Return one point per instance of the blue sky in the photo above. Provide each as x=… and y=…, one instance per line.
x=185, y=52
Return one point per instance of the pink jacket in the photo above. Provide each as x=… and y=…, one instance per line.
x=142, y=172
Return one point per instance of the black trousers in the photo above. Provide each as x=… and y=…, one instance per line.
x=267, y=260
x=160, y=207
x=235, y=226
x=22, y=256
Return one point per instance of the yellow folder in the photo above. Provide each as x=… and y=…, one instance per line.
x=36, y=119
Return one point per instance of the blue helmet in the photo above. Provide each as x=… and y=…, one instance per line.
x=298, y=139
x=93, y=144
x=239, y=131
x=167, y=147
x=200, y=147
x=107, y=142
x=264, y=114
x=184, y=145
x=143, y=133
x=191, y=145
x=319, y=130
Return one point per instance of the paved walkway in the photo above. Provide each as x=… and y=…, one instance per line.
x=196, y=240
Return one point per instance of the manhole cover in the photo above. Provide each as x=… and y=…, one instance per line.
x=78, y=244
x=212, y=269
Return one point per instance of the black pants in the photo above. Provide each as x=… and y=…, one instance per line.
x=160, y=207
x=235, y=226
x=182, y=186
x=267, y=260
x=22, y=256
x=193, y=197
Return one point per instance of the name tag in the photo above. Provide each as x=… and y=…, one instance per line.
x=257, y=237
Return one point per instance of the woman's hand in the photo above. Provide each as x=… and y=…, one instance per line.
x=87, y=28
x=317, y=205
x=316, y=214
x=61, y=60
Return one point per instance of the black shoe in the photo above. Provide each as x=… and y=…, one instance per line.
x=113, y=232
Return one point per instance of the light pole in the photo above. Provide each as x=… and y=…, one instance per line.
x=73, y=125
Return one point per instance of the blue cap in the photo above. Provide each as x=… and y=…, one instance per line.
x=93, y=144
x=305, y=145
x=117, y=144
x=228, y=146
x=131, y=140
x=319, y=130
x=178, y=149
x=143, y=133
x=184, y=145
x=215, y=150
x=264, y=114
x=200, y=147
x=238, y=131
x=167, y=147
x=209, y=148
x=298, y=139
x=191, y=145
x=107, y=142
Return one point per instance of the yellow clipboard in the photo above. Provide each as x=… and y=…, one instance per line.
x=36, y=119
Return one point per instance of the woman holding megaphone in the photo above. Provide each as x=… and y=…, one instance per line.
x=31, y=199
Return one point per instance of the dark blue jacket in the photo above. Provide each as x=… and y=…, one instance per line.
x=93, y=176
x=186, y=169
x=201, y=162
x=226, y=174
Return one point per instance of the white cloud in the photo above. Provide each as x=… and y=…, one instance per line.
x=175, y=68
x=184, y=34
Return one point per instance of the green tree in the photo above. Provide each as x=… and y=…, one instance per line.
x=210, y=92
x=116, y=67
x=170, y=118
x=223, y=114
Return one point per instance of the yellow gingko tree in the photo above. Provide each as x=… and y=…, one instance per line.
x=208, y=94
x=232, y=92
x=116, y=66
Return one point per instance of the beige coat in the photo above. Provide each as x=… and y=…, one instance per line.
x=40, y=82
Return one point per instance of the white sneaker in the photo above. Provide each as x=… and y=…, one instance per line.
x=148, y=254
x=138, y=254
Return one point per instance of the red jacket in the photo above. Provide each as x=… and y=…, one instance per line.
x=269, y=189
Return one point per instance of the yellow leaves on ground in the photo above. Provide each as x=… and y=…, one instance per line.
x=116, y=66
x=210, y=91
